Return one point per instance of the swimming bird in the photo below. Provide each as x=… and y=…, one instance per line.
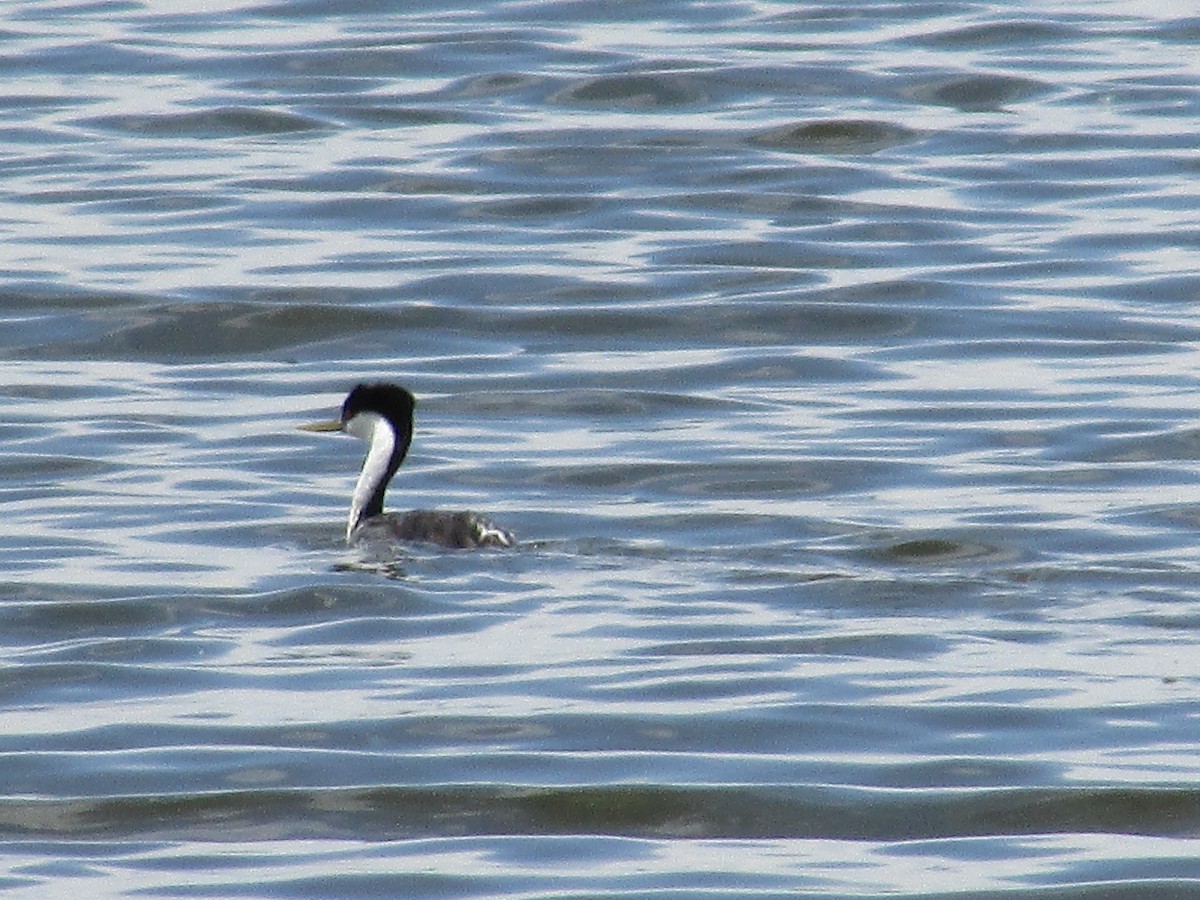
x=382, y=416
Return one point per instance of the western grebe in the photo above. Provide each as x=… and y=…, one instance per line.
x=382, y=415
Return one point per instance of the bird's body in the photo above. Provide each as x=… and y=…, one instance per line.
x=382, y=415
x=435, y=526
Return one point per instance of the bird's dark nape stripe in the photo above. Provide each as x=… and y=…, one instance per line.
x=396, y=405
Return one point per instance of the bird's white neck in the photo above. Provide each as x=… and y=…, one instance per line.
x=381, y=440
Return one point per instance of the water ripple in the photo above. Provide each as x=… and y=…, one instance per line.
x=834, y=363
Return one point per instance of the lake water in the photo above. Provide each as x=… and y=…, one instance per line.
x=837, y=365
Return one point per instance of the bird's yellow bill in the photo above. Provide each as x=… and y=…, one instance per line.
x=333, y=425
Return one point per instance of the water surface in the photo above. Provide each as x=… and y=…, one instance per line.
x=835, y=365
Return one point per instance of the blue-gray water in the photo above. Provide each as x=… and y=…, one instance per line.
x=837, y=365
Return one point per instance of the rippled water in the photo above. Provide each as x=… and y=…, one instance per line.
x=836, y=365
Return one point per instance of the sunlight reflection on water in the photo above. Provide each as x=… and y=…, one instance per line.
x=835, y=365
